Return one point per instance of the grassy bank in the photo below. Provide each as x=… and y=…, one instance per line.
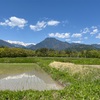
x=78, y=86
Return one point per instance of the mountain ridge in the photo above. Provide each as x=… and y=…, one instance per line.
x=4, y=43
x=53, y=43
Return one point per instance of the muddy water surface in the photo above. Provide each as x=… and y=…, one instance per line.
x=35, y=79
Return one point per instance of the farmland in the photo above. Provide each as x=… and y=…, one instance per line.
x=81, y=81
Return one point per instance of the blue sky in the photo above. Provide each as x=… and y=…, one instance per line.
x=31, y=21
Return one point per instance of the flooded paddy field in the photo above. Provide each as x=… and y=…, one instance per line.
x=25, y=76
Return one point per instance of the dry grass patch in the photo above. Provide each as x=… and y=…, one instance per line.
x=73, y=68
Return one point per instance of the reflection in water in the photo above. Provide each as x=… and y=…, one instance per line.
x=25, y=81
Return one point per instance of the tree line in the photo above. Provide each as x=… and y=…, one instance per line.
x=44, y=52
x=15, y=52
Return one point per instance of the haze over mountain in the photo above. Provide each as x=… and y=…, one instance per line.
x=51, y=43
x=4, y=43
x=20, y=44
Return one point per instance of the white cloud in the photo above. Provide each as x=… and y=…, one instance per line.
x=94, y=31
x=60, y=35
x=53, y=23
x=39, y=26
x=14, y=21
x=76, y=41
x=85, y=30
x=43, y=24
x=98, y=36
x=77, y=35
x=19, y=43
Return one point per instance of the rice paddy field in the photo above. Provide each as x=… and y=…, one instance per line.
x=71, y=78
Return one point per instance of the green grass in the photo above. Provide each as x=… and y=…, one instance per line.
x=77, y=86
x=89, y=61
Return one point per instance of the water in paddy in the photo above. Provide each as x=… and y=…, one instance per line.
x=35, y=79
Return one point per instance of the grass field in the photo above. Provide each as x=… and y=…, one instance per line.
x=87, y=61
x=83, y=84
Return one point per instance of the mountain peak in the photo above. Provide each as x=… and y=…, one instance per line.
x=52, y=43
x=50, y=39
